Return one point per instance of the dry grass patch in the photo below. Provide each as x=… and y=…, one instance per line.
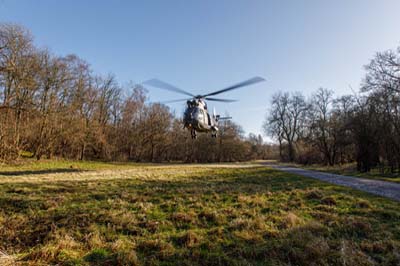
x=291, y=220
x=6, y=260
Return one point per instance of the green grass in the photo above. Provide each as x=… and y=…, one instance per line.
x=190, y=215
x=33, y=165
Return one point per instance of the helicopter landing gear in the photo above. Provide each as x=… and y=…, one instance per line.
x=193, y=133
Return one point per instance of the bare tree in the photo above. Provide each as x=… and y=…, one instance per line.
x=19, y=67
x=324, y=128
x=286, y=119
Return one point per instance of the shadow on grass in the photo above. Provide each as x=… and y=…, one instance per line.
x=40, y=172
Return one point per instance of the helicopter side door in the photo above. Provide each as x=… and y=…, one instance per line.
x=203, y=118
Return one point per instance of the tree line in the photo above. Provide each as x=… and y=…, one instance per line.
x=56, y=106
x=362, y=128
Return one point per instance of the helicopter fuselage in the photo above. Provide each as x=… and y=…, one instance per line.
x=197, y=118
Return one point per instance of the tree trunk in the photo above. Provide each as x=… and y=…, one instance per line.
x=291, y=151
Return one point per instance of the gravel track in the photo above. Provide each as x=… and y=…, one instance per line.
x=378, y=187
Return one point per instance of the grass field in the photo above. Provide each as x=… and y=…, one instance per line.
x=68, y=213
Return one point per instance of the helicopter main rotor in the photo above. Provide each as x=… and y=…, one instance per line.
x=163, y=85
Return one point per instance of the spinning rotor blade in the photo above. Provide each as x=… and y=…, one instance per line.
x=207, y=98
x=238, y=85
x=225, y=118
x=174, y=101
x=220, y=100
x=163, y=85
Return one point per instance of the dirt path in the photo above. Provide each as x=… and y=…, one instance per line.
x=382, y=188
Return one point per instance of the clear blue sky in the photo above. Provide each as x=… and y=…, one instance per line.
x=203, y=46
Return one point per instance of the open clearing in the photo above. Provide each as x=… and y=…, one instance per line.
x=128, y=214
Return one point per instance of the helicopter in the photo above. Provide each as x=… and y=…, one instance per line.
x=196, y=117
